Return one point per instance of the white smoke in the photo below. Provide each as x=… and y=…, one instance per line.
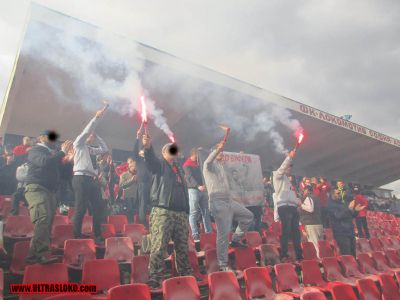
x=102, y=66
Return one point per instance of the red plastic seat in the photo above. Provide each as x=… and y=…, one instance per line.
x=325, y=249
x=390, y=290
x=104, y=273
x=269, y=255
x=211, y=261
x=351, y=269
x=137, y=291
x=71, y=213
x=287, y=280
x=194, y=262
x=118, y=221
x=120, y=249
x=108, y=231
x=397, y=274
x=76, y=252
x=259, y=285
x=244, y=258
x=328, y=234
x=19, y=254
x=135, y=232
x=366, y=263
x=87, y=225
x=59, y=220
x=393, y=258
x=333, y=272
x=53, y=273
x=71, y=297
x=386, y=243
x=253, y=239
x=375, y=244
x=363, y=245
x=139, y=269
x=312, y=276
x=208, y=241
x=60, y=234
x=181, y=288
x=223, y=286
x=313, y=296
x=271, y=238
x=368, y=289
x=381, y=263
x=309, y=251
x=18, y=228
x=343, y=292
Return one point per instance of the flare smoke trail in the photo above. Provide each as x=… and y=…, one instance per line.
x=101, y=66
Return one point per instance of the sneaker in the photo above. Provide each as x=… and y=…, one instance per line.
x=196, y=238
x=226, y=269
x=285, y=259
x=153, y=285
x=237, y=244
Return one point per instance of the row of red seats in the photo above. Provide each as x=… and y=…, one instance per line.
x=224, y=285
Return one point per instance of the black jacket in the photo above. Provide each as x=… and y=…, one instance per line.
x=143, y=174
x=163, y=182
x=193, y=174
x=44, y=167
x=341, y=218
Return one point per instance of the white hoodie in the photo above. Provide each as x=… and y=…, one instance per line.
x=284, y=195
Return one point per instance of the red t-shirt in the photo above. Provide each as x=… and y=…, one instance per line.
x=361, y=200
x=20, y=150
x=323, y=189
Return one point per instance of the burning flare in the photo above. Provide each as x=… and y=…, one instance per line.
x=301, y=137
x=144, y=110
x=171, y=138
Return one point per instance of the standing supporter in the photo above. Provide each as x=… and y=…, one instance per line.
x=65, y=192
x=21, y=151
x=8, y=168
x=311, y=218
x=169, y=215
x=341, y=219
x=198, y=198
x=144, y=181
x=85, y=184
x=324, y=190
x=286, y=208
x=361, y=219
x=41, y=185
x=344, y=193
x=128, y=182
x=223, y=208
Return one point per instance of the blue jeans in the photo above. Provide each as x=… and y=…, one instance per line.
x=198, y=202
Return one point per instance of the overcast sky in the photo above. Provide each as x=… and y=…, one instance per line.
x=337, y=55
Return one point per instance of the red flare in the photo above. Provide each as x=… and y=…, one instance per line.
x=171, y=137
x=301, y=137
x=144, y=109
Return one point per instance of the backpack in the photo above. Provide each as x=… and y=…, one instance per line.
x=22, y=172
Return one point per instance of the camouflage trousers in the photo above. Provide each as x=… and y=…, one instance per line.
x=166, y=225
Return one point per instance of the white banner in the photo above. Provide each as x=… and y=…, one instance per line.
x=245, y=178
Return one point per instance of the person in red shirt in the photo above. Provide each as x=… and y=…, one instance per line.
x=361, y=219
x=324, y=188
x=23, y=148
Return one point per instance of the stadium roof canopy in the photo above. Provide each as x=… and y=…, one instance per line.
x=333, y=148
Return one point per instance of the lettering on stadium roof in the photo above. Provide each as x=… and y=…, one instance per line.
x=326, y=117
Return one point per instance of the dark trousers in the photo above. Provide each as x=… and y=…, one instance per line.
x=257, y=213
x=325, y=217
x=347, y=245
x=17, y=197
x=290, y=218
x=87, y=192
x=143, y=206
x=362, y=227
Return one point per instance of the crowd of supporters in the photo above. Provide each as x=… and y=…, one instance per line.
x=174, y=200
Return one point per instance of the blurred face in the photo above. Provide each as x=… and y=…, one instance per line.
x=44, y=139
x=90, y=139
x=141, y=153
x=168, y=156
x=307, y=181
x=314, y=180
x=131, y=165
x=26, y=141
x=340, y=184
x=336, y=195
